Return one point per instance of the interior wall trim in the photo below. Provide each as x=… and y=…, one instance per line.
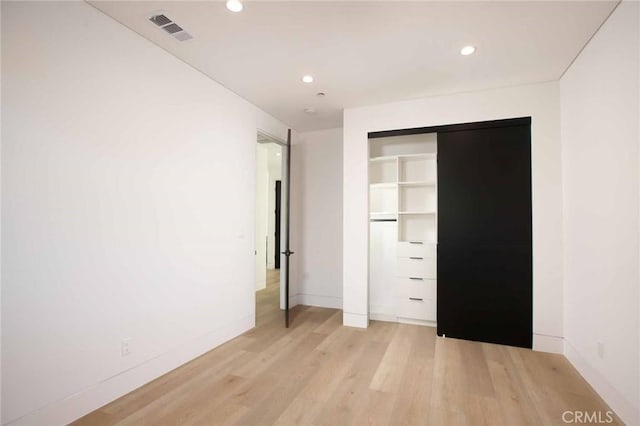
x=508, y=122
x=545, y=343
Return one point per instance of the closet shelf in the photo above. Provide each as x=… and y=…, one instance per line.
x=417, y=183
x=427, y=155
x=382, y=159
x=383, y=185
x=372, y=214
x=418, y=212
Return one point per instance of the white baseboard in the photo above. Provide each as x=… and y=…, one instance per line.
x=401, y=320
x=320, y=301
x=77, y=405
x=628, y=412
x=293, y=300
x=544, y=343
x=383, y=317
x=355, y=320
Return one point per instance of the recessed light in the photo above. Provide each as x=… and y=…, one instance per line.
x=467, y=50
x=307, y=79
x=310, y=110
x=234, y=5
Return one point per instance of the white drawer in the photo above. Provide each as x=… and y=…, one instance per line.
x=417, y=287
x=416, y=248
x=417, y=299
x=418, y=267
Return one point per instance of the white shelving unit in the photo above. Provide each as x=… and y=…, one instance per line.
x=417, y=227
x=383, y=170
x=417, y=168
x=403, y=213
x=417, y=198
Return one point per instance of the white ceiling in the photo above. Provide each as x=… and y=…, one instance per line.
x=364, y=53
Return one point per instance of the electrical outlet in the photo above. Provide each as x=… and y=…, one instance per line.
x=125, y=347
x=601, y=350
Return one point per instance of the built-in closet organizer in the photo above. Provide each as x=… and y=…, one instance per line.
x=451, y=231
x=403, y=226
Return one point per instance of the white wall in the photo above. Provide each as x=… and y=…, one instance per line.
x=128, y=191
x=541, y=102
x=600, y=137
x=316, y=179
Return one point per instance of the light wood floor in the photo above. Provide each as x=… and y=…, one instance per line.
x=268, y=299
x=320, y=373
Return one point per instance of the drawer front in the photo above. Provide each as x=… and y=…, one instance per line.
x=417, y=299
x=418, y=288
x=417, y=267
x=416, y=249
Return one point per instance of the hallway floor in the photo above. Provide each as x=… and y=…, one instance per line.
x=268, y=299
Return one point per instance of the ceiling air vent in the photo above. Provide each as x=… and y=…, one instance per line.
x=160, y=20
x=172, y=28
x=167, y=24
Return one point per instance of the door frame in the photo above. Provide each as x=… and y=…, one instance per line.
x=265, y=137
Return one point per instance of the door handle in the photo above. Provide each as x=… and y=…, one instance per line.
x=288, y=253
x=417, y=299
x=416, y=242
x=416, y=258
x=416, y=278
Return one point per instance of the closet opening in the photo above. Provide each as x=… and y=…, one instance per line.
x=450, y=229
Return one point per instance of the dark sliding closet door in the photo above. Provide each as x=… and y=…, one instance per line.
x=484, y=234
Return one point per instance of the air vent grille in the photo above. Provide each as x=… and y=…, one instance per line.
x=172, y=28
x=163, y=21
x=160, y=20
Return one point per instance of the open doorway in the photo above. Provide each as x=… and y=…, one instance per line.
x=278, y=218
x=269, y=177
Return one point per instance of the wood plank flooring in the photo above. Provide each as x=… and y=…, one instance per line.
x=320, y=373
